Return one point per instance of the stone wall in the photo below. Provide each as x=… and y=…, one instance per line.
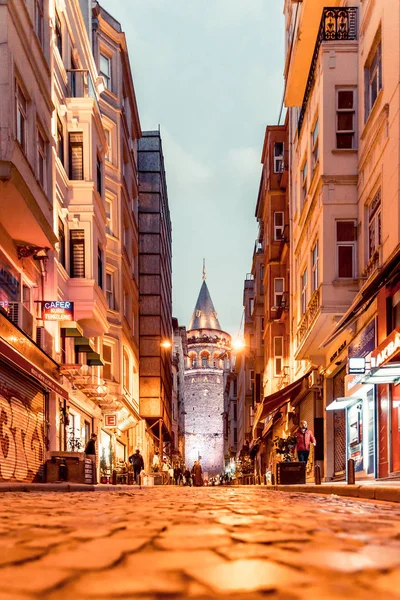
x=204, y=407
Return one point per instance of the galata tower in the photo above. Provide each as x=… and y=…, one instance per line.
x=208, y=355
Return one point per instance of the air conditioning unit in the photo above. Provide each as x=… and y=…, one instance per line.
x=20, y=316
x=315, y=380
x=44, y=340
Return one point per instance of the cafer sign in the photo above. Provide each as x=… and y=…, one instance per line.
x=57, y=310
x=386, y=350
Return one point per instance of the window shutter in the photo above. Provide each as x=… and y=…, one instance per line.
x=76, y=155
x=77, y=246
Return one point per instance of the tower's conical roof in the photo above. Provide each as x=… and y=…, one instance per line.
x=204, y=315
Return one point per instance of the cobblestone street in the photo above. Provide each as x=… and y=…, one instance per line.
x=197, y=543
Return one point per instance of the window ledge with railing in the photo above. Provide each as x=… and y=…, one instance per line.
x=337, y=25
x=373, y=264
x=309, y=317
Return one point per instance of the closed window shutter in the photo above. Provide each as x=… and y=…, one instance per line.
x=76, y=155
x=77, y=246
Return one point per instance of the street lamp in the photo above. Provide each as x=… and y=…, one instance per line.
x=238, y=344
x=166, y=344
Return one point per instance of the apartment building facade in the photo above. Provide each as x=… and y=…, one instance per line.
x=155, y=284
x=58, y=247
x=342, y=81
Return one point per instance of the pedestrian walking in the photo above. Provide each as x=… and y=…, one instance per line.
x=188, y=477
x=177, y=474
x=197, y=473
x=165, y=471
x=156, y=462
x=138, y=465
x=90, y=453
x=305, y=438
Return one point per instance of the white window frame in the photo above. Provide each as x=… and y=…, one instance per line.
x=374, y=224
x=109, y=215
x=278, y=358
x=372, y=71
x=107, y=75
x=278, y=294
x=21, y=107
x=278, y=229
x=304, y=175
x=39, y=20
x=279, y=158
x=110, y=290
x=346, y=243
x=315, y=267
x=41, y=159
x=126, y=380
x=108, y=134
x=111, y=362
x=315, y=144
x=351, y=111
x=303, y=292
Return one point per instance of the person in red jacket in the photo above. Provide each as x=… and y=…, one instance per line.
x=305, y=438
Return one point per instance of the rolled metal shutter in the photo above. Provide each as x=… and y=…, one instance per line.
x=307, y=410
x=22, y=427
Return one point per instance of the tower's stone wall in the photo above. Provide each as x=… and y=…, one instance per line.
x=204, y=399
x=204, y=425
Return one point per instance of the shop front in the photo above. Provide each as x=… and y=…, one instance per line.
x=26, y=393
x=385, y=375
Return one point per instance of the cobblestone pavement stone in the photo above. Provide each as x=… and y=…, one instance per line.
x=197, y=543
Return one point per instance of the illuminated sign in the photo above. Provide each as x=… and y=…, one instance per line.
x=387, y=349
x=356, y=366
x=57, y=310
x=110, y=420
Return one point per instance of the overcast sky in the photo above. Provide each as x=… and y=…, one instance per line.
x=209, y=72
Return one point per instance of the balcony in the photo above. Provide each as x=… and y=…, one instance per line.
x=309, y=317
x=81, y=85
x=90, y=305
x=374, y=263
x=337, y=24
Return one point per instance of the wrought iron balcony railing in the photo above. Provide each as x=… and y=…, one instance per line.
x=309, y=317
x=337, y=24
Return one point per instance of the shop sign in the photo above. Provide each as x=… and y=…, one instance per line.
x=356, y=365
x=110, y=420
x=364, y=343
x=387, y=349
x=57, y=310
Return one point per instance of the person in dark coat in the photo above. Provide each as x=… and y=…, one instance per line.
x=197, y=473
x=90, y=452
x=188, y=477
x=138, y=464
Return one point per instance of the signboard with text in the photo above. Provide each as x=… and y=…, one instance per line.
x=57, y=310
x=110, y=420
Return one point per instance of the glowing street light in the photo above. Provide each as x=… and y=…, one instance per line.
x=166, y=344
x=238, y=344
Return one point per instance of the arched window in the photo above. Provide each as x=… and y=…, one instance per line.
x=205, y=359
x=192, y=360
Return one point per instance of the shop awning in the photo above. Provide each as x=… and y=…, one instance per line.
x=366, y=296
x=341, y=403
x=72, y=328
x=20, y=361
x=388, y=373
x=83, y=344
x=93, y=359
x=278, y=399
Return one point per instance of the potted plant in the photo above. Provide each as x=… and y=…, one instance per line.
x=288, y=472
x=103, y=467
x=285, y=446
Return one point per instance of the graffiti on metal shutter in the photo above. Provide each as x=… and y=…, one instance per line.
x=22, y=444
